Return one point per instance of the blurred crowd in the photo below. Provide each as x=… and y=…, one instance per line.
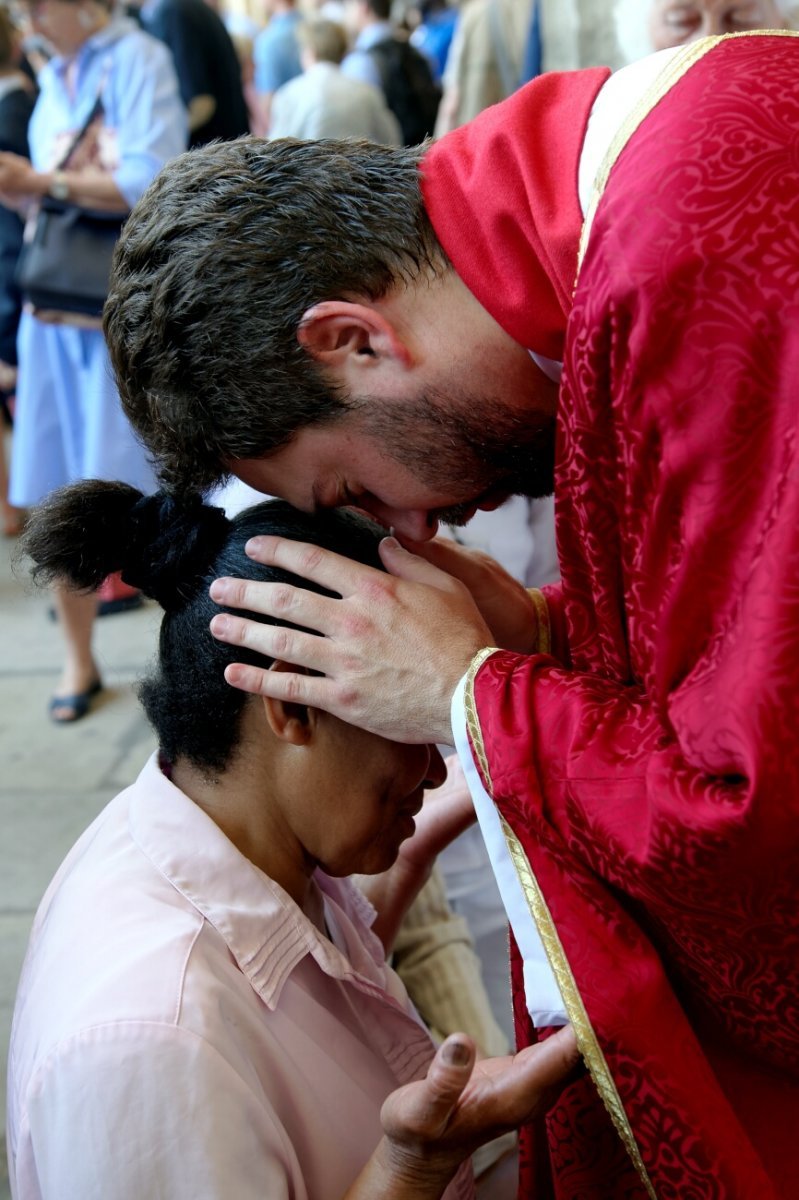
x=95, y=98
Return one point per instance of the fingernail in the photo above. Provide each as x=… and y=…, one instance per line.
x=391, y=543
x=253, y=545
x=219, y=626
x=217, y=589
x=456, y=1054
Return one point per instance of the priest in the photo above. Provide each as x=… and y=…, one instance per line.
x=630, y=737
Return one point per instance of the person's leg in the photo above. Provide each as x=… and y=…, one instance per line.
x=80, y=678
x=13, y=518
x=110, y=449
x=46, y=454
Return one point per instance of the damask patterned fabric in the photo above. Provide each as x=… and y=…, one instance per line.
x=652, y=775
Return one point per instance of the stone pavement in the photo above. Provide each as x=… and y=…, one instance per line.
x=54, y=780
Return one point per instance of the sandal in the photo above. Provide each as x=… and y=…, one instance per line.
x=73, y=707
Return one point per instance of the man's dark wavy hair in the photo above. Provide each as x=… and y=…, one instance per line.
x=216, y=266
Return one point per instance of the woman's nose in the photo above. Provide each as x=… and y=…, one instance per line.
x=437, y=769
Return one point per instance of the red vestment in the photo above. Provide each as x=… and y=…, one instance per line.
x=649, y=767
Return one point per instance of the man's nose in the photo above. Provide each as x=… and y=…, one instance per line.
x=417, y=524
x=436, y=770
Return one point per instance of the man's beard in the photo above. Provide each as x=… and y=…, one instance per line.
x=469, y=446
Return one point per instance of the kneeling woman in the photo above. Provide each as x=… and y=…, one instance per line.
x=205, y=1012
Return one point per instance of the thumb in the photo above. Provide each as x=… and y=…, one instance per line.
x=442, y=552
x=405, y=565
x=422, y=1110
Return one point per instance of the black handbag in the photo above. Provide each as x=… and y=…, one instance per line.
x=66, y=264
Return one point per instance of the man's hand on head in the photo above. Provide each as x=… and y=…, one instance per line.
x=393, y=646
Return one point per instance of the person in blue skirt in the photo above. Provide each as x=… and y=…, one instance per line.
x=69, y=424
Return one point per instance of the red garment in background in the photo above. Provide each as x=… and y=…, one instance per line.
x=653, y=780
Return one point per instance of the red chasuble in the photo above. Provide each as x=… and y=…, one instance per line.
x=648, y=768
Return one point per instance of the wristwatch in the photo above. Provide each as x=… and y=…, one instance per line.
x=59, y=188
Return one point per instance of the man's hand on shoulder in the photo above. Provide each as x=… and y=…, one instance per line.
x=393, y=645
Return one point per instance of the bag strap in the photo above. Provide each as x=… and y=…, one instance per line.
x=97, y=108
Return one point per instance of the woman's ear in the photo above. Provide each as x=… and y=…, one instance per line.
x=292, y=723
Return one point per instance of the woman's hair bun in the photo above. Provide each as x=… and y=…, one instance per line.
x=164, y=545
x=173, y=545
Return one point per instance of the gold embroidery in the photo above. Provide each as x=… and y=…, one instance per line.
x=544, y=642
x=539, y=910
x=671, y=74
x=472, y=721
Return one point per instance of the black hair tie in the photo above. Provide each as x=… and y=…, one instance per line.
x=173, y=546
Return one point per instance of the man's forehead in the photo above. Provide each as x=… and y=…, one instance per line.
x=302, y=472
x=267, y=476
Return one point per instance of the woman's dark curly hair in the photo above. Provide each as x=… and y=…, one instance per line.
x=172, y=550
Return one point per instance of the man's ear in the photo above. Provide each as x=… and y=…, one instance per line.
x=336, y=331
x=292, y=723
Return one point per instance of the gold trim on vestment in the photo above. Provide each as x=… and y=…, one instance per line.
x=573, y=1002
x=472, y=722
x=580, y=1021
x=544, y=639
x=672, y=73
